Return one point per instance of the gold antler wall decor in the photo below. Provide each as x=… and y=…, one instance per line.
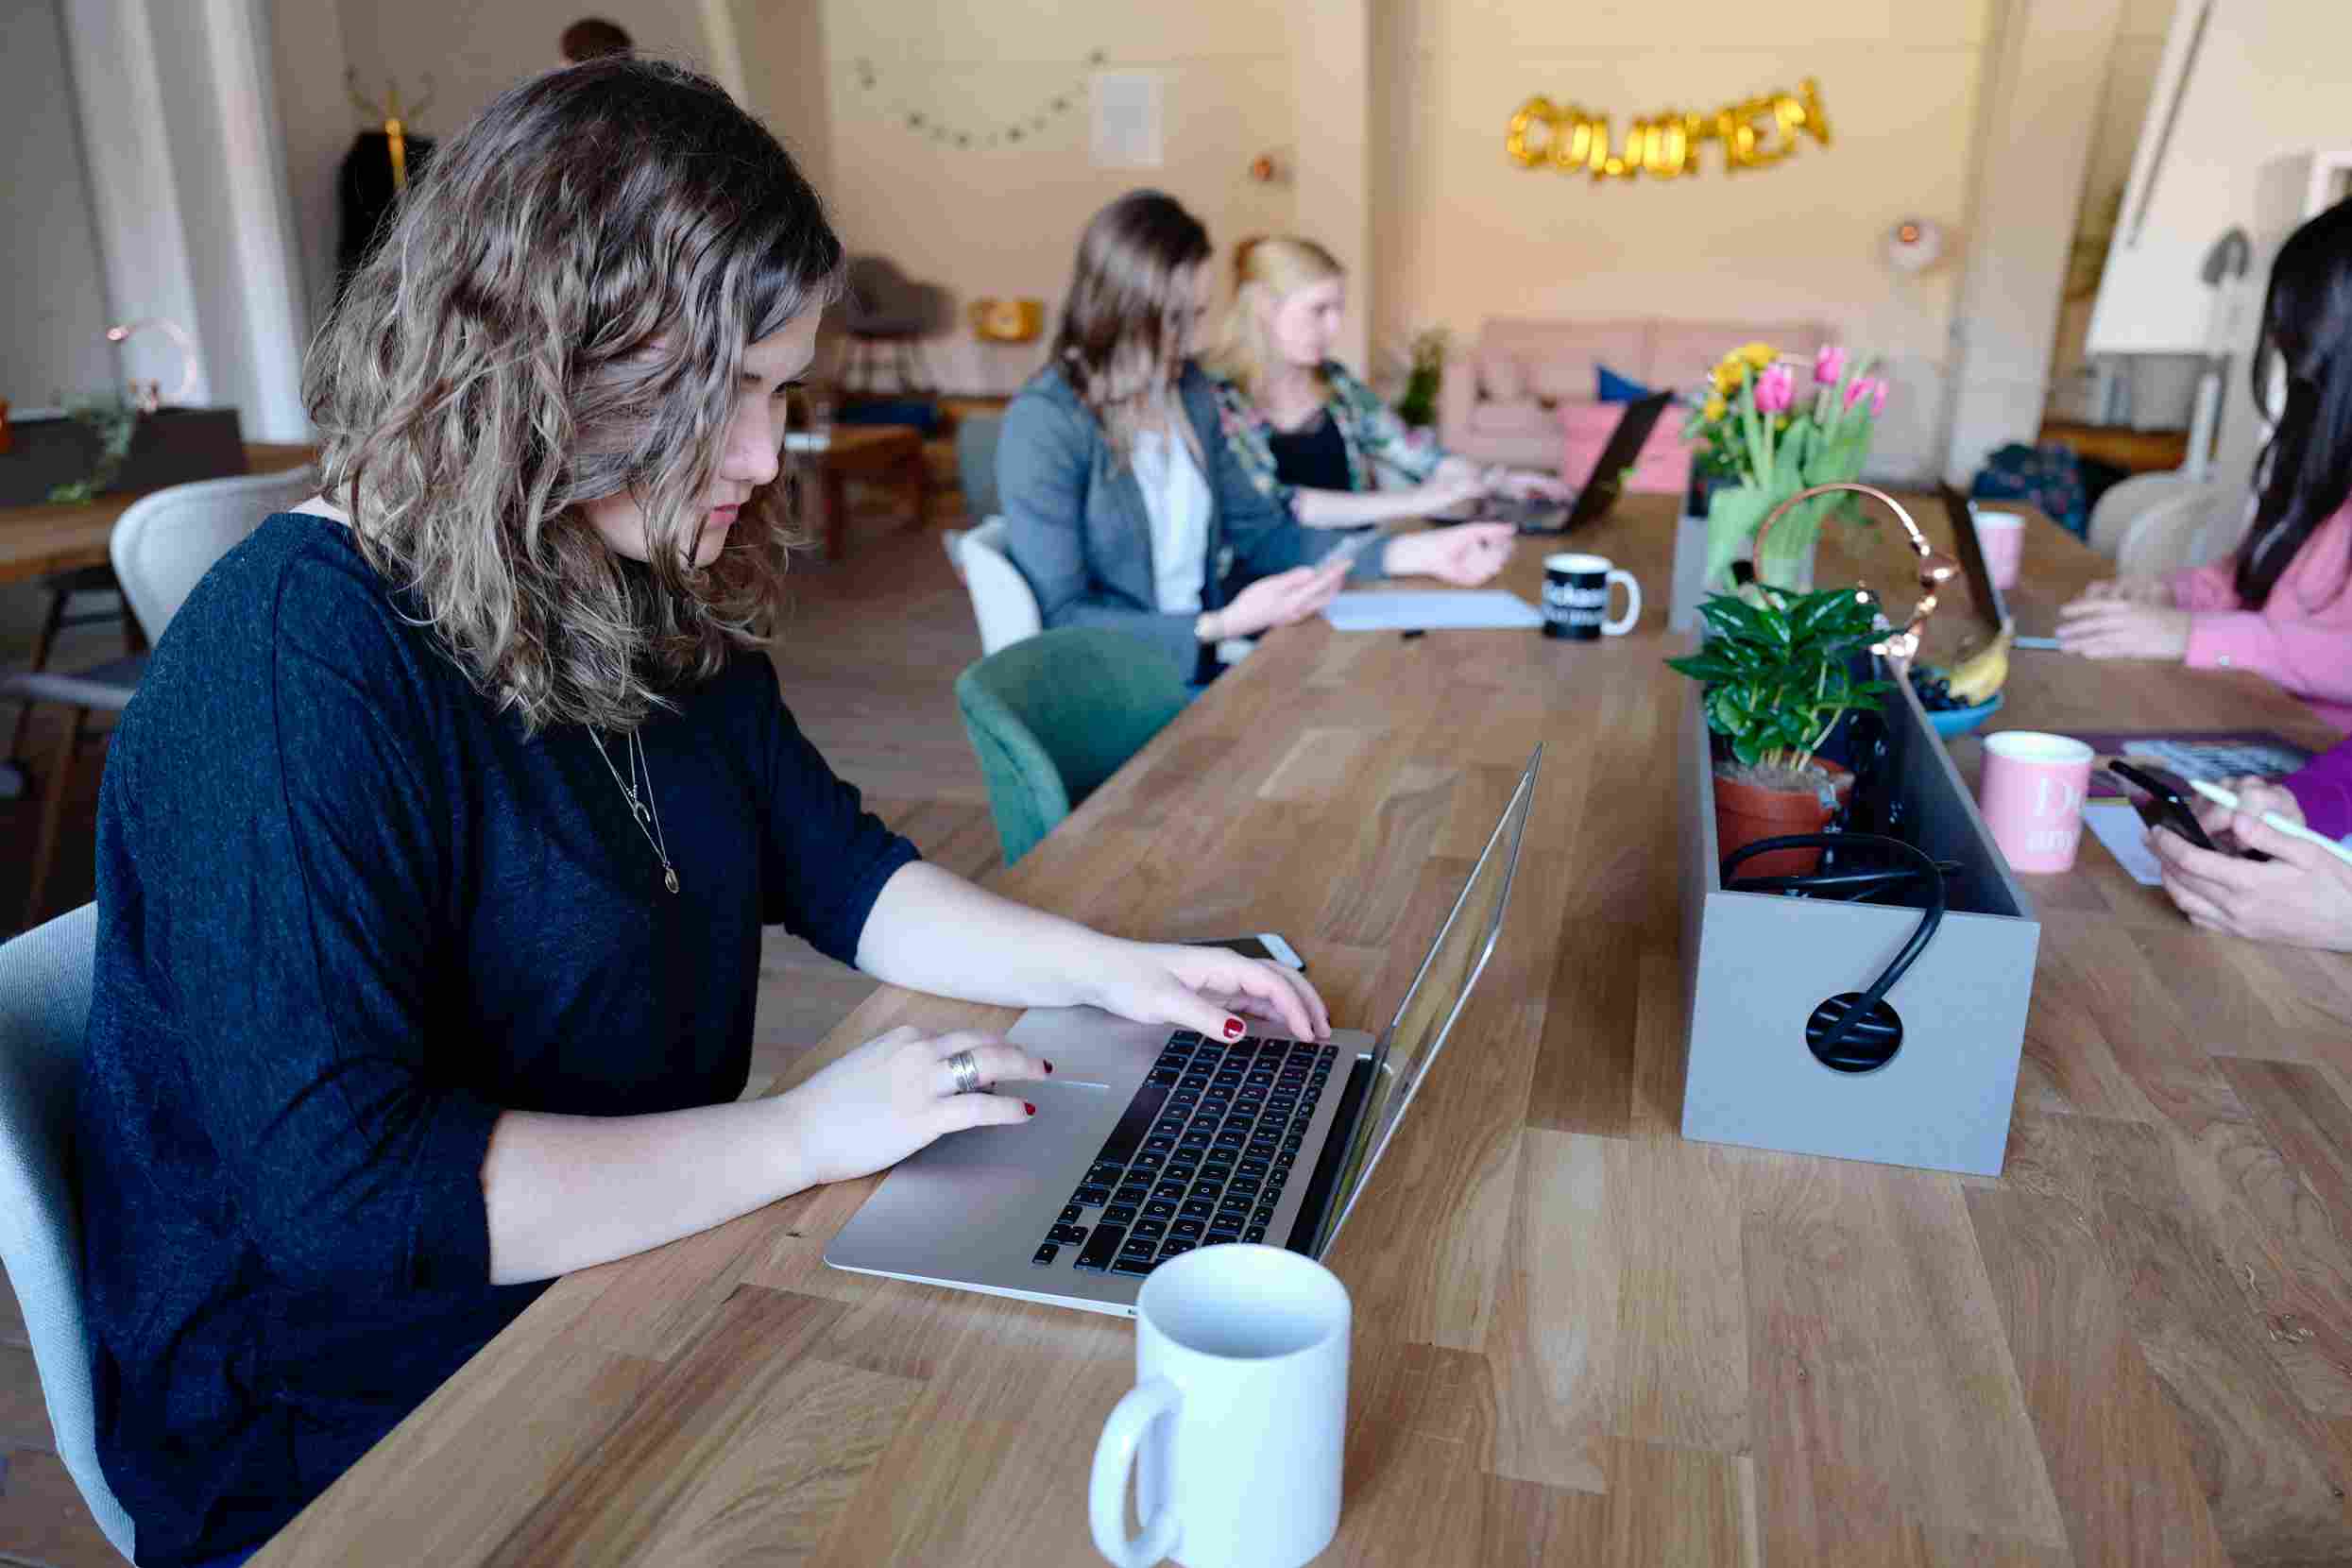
x=389, y=114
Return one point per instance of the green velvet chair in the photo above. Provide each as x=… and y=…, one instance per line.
x=1054, y=715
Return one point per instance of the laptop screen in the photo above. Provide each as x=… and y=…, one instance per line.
x=1990, y=605
x=1401, y=1057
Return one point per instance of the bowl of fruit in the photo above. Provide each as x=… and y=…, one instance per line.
x=1959, y=699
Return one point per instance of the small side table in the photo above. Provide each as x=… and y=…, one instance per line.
x=862, y=451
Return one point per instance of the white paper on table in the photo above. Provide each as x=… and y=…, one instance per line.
x=2126, y=837
x=1427, y=610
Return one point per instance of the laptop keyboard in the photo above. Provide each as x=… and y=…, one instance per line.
x=1200, y=1155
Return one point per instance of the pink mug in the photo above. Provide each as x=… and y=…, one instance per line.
x=2032, y=797
x=2001, y=537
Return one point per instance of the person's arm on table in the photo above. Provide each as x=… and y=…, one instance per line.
x=931, y=931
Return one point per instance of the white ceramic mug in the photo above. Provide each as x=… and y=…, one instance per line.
x=1236, y=1422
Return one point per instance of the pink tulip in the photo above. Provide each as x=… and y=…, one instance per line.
x=1878, y=400
x=1861, y=388
x=1775, y=389
x=1828, y=363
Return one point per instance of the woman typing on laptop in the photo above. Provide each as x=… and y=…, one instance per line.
x=434, y=857
x=1126, y=508
x=1304, y=428
x=2279, y=605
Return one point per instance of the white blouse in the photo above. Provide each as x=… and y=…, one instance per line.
x=1176, y=499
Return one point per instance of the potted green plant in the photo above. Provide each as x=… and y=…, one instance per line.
x=1418, y=407
x=1779, y=673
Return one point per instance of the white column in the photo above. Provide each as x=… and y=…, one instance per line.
x=189, y=188
x=260, y=234
x=140, y=234
x=2037, y=105
x=1331, y=56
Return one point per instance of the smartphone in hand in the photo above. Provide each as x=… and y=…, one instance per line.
x=2161, y=805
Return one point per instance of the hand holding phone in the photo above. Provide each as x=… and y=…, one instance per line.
x=1342, y=557
x=2161, y=805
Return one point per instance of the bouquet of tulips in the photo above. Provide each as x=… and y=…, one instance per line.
x=1753, y=425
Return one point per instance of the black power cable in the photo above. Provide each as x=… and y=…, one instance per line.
x=1854, y=1031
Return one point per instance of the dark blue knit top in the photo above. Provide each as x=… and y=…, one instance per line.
x=347, y=915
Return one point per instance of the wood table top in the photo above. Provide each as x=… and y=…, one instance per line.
x=1579, y=1338
x=63, y=536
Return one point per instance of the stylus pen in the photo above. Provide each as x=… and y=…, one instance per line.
x=2227, y=801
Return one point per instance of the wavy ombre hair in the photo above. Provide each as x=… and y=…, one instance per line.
x=1121, y=341
x=558, y=314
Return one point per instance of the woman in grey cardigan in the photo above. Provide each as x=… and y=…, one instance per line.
x=1123, y=503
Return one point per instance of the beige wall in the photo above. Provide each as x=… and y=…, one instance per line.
x=474, y=50
x=1466, y=235
x=1005, y=222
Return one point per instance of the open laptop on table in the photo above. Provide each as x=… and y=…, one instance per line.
x=1147, y=1143
x=1601, y=487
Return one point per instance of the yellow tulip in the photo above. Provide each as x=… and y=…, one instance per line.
x=1729, y=375
x=1758, y=355
x=1715, y=408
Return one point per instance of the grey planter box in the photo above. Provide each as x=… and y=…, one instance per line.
x=1757, y=965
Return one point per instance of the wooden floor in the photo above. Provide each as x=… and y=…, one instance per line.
x=868, y=659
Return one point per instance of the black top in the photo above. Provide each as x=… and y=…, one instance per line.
x=1314, y=457
x=346, y=913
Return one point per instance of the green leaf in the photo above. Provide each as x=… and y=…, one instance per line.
x=1733, y=513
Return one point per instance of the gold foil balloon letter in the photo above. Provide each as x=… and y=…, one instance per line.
x=1755, y=133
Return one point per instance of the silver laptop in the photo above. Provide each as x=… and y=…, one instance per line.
x=1147, y=1144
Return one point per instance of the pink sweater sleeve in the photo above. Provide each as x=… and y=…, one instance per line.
x=2310, y=657
x=2211, y=587
x=2302, y=639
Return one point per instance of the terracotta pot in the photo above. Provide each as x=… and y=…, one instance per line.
x=1746, y=812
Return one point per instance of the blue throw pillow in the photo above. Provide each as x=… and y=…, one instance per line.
x=1616, y=389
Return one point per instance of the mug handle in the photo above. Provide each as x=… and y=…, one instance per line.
x=1633, y=604
x=1114, y=1458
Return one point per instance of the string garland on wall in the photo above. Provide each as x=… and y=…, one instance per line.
x=932, y=123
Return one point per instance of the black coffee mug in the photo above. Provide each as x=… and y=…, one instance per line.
x=1575, y=598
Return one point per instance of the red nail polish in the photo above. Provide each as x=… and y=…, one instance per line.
x=1233, y=1028
x=1049, y=1069
x=1027, y=1106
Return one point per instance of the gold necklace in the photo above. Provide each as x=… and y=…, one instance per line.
x=655, y=839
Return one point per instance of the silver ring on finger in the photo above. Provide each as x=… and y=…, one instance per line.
x=966, y=1068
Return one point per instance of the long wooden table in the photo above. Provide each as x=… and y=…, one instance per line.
x=61, y=536
x=1579, y=1338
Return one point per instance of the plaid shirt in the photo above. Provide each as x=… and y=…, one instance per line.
x=1382, y=451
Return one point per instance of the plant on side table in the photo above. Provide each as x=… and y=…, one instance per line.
x=1778, y=675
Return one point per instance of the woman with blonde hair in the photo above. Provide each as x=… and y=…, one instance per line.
x=1124, y=504
x=1307, y=431
x=434, y=857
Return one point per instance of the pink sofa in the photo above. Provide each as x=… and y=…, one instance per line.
x=1507, y=395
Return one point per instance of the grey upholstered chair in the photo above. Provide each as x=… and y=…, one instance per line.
x=44, y=1003
x=161, y=549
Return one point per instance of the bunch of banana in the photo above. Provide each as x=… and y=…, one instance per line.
x=1979, y=675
